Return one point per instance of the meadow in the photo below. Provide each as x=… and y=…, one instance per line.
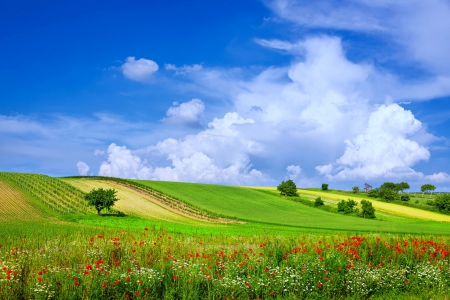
x=275, y=249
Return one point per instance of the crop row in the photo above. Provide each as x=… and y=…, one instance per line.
x=169, y=201
x=53, y=193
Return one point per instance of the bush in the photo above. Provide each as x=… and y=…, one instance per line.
x=405, y=197
x=324, y=186
x=367, y=210
x=355, y=189
x=388, y=194
x=347, y=207
x=318, y=202
x=442, y=202
x=374, y=193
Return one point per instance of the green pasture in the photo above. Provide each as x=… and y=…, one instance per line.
x=257, y=206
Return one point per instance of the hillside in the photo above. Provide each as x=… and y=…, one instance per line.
x=256, y=206
x=15, y=206
x=136, y=204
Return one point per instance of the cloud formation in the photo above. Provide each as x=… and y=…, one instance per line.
x=184, y=69
x=188, y=113
x=218, y=154
x=83, y=168
x=139, y=70
x=383, y=150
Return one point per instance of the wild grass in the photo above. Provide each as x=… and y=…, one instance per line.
x=83, y=262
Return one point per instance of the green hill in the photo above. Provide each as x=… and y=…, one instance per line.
x=257, y=206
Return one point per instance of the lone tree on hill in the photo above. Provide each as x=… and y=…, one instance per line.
x=427, y=188
x=324, y=186
x=287, y=188
x=355, y=189
x=100, y=198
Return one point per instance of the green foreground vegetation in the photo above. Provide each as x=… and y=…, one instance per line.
x=277, y=248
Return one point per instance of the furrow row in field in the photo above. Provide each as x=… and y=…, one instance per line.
x=132, y=203
x=53, y=193
x=16, y=206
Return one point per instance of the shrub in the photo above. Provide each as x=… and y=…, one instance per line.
x=367, y=210
x=347, y=207
x=442, y=202
x=318, y=202
x=374, y=193
x=405, y=197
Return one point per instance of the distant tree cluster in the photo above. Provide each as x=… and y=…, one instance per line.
x=389, y=191
x=347, y=207
x=288, y=188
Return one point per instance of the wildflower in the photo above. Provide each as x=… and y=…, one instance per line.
x=99, y=236
x=117, y=281
x=39, y=278
x=76, y=283
x=103, y=285
x=319, y=284
x=146, y=229
x=175, y=277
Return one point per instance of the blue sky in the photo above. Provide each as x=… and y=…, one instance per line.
x=232, y=92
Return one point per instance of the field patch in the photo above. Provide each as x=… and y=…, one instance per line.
x=16, y=206
x=392, y=208
x=258, y=206
x=132, y=203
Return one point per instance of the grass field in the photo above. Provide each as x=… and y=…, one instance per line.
x=284, y=250
x=257, y=206
x=382, y=206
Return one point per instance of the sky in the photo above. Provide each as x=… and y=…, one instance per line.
x=231, y=92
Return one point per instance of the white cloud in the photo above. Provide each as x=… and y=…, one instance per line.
x=139, y=70
x=122, y=163
x=419, y=28
x=184, y=69
x=83, y=168
x=384, y=149
x=98, y=152
x=188, y=113
x=218, y=154
x=293, y=171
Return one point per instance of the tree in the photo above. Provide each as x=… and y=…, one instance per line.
x=367, y=210
x=324, y=186
x=403, y=186
x=442, y=202
x=100, y=198
x=427, y=188
x=355, y=189
x=389, y=186
x=318, y=202
x=287, y=188
x=347, y=206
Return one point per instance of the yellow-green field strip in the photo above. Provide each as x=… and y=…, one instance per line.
x=132, y=203
x=379, y=205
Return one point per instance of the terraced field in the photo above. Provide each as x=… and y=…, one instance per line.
x=257, y=206
x=132, y=203
x=16, y=206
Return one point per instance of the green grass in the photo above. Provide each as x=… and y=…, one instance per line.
x=258, y=206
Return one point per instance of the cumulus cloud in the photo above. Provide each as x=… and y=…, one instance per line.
x=83, y=168
x=184, y=69
x=219, y=154
x=139, y=70
x=189, y=113
x=384, y=149
x=293, y=171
